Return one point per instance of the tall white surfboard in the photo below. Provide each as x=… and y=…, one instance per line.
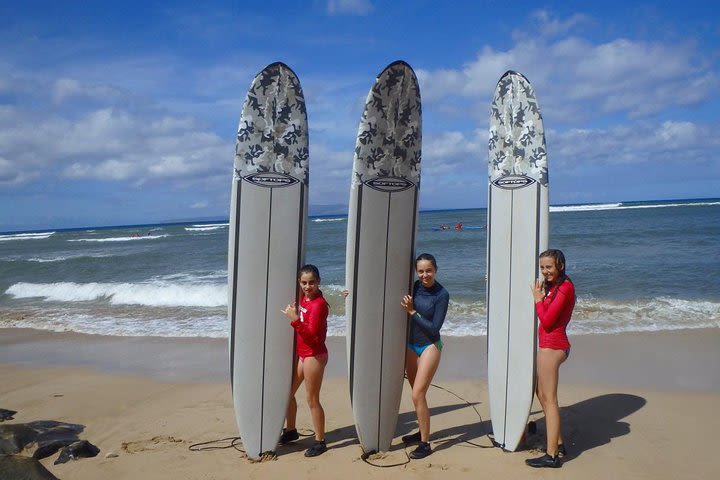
x=518, y=214
x=380, y=249
x=268, y=213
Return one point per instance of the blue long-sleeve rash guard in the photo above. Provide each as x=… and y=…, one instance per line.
x=431, y=305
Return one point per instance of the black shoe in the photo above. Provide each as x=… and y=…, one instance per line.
x=422, y=451
x=288, y=436
x=544, y=461
x=561, y=450
x=412, y=438
x=318, y=448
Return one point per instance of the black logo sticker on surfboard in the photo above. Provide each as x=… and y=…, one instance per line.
x=271, y=179
x=389, y=184
x=512, y=182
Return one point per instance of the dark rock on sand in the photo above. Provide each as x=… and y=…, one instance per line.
x=80, y=449
x=49, y=436
x=52, y=436
x=23, y=468
x=14, y=438
x=6, y=414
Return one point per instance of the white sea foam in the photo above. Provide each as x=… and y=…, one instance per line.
x=590, y=317
x=181, y=308
x=621, y=206
x=212, y=326
x=62, y=258
x=200, y=225
x=584, y=208
x=334, y=219
x=119, y=239
x=205, y=228
x=25, y=236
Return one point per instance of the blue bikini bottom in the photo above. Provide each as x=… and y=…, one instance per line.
x=418, y=349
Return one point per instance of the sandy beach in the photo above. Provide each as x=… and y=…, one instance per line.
x=640, y=405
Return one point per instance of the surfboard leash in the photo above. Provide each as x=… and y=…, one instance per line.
x=492, y=440
x=211, y=445
x=216, y=444
x=366, y=457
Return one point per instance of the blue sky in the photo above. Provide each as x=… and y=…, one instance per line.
x=126, y=112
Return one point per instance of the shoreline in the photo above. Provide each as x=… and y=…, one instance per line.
x=675, y=360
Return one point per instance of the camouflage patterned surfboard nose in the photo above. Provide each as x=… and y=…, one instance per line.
x=272, y=134
x=517, y=138
x=392, y=108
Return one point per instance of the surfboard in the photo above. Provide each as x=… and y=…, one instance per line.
x=268, y=216
x=382, y=221
x=518, y=214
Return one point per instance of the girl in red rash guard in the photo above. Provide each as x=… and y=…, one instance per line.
x=310, y=324
x=554, y=303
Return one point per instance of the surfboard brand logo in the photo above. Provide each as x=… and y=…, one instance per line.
x=389, y=184
x=511, y=182
x=271, y=179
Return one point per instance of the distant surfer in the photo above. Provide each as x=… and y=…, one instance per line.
x=459, y=226
x=554, y=303
x=427, y=307
x=310, y=324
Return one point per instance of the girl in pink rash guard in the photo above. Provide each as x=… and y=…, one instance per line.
x=554, y=302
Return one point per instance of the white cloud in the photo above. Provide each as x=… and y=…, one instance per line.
x=581, y=80
x=548, y=25
x=646, y=145
x=67, y=88
x=107, y=144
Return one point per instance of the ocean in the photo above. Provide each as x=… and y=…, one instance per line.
x=637, y=266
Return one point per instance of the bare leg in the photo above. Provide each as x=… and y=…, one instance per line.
x=297, y=379
x=314, y=369
x=426, y=366
x=548, y=366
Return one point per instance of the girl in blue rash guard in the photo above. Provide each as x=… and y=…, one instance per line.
x=427, y=307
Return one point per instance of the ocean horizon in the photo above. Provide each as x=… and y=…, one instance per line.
x=340, y=210
x=637, y=266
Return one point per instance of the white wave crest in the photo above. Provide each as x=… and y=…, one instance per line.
x=62, y=258
x=119, y=239
x=621, y=206
x=202, y=225
x=334, y=219
x=585, y=208
x=205, y=228
x=154, y=294
x=25, y=236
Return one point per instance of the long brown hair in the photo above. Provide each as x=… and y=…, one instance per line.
x=559, y=258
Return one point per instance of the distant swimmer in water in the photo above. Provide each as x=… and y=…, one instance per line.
x=459, y=226
x=443, y=226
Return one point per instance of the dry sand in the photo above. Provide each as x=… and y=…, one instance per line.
x=633, y=406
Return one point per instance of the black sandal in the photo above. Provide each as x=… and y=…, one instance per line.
x=289, y=436
x=318, y=448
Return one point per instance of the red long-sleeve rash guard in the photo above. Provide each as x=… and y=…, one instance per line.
x=554, y=312
x=311, y=328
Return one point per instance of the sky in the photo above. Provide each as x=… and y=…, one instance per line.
x=126, y=112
